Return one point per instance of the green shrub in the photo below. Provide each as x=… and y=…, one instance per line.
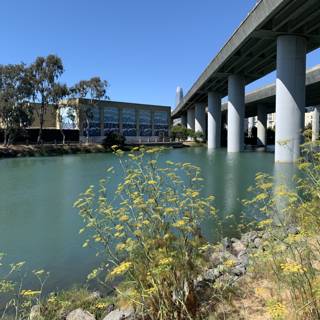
x=112, y=139
x=155, y=216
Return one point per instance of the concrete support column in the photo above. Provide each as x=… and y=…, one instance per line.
x=190, y=119
x=262, y=126
x=290, y=97
x=214, y=120
x=184, y=119
x=200, y=117
x=250, y=126
x=315, y=124
x=236, y=107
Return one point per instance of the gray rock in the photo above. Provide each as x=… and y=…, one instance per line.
x=237, y=248
x=80, y=314
x=293, y=230
x=120, y=314
x=249, y=237
x=238, y=270
x=35, y=313
x=257, y=242
x=243, y=259
x=211, y=274
x=226, y=243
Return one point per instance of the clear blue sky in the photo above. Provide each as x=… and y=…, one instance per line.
x=144, y=48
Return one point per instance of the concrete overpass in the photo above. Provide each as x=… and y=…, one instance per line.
x=277, y=34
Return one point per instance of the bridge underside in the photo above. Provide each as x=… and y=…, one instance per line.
x=277, y=34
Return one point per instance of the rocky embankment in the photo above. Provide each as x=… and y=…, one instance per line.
x=228, y=263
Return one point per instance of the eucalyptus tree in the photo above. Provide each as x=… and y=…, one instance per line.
x=61, y=91
x=93, y=89
x=44, y=74
x=15, y=111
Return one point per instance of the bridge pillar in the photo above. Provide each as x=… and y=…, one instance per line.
x=262, y=125
x=200, y=117
x=290, y=97
x=315, y=124
x=184, y=119
x=190, y=119
x=236, y=107
x=214, y=120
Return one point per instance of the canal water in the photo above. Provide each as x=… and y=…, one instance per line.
x=39, y=225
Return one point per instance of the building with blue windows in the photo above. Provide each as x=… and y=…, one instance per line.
x=136, y=122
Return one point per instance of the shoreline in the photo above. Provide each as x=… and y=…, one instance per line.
x=48, y=150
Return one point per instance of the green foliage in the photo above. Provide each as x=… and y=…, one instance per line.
x=290, y=221
x=198, y=136
x=15, y=114
x=95, y=89
x=57, y=306
x=155, y=216
x=43, y=75
x=181, y=133
x=113, y=139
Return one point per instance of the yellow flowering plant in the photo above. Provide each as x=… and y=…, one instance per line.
x=149, y=230
x=15, y=300
x=288, y=217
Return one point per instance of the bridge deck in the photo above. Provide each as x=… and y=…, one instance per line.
x=251, y=50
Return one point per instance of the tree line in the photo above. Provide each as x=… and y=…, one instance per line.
x=23, y=86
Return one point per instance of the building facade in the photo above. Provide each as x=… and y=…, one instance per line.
x=136, y=122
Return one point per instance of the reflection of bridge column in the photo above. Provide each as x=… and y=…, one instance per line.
x=190, y=119
x=184, y=119
x=235, y=113
x=214, y=120
x=315, y=124
x=232, y=183
x=200, y=117
x=262, y=125
x=283, y=182
x=290, y=97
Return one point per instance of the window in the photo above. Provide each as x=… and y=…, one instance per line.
x=129, y=123
x=161, y=126
x=111, y=120
x=145, y=123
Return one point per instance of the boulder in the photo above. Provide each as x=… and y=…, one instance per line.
x=238, y=248
x=35, y=313
x=120, y=314
x=80, y=314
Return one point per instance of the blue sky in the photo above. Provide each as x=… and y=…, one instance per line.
x=144, y=48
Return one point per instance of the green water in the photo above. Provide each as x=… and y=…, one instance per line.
x=39, y=225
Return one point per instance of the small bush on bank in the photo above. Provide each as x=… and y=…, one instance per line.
x=149, y=232
x=113, y=138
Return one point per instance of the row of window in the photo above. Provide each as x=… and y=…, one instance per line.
x=111, y=122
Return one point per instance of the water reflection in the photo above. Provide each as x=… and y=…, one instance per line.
x=284, y=174
x=39, y=225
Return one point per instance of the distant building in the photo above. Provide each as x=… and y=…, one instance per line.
x=137, y=122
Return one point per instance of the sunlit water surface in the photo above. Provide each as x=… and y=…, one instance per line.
x=40, y=226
